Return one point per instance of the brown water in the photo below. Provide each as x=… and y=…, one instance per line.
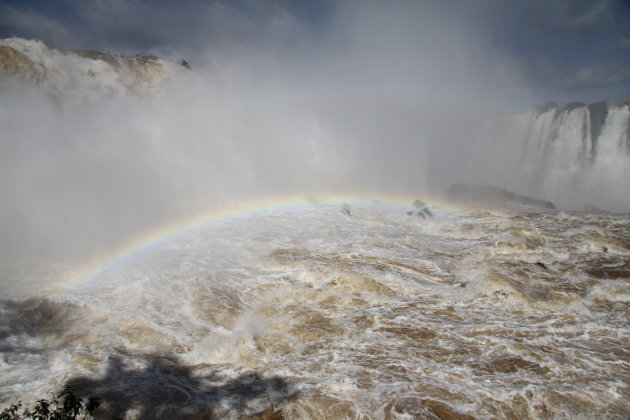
x=317, y=314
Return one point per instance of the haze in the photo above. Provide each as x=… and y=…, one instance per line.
x=284, y=98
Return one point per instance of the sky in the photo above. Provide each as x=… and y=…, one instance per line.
x=525, y=52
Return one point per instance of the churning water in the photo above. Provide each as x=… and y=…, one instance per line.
x=316, y=313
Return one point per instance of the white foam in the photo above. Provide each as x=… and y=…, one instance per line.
x=271, y=306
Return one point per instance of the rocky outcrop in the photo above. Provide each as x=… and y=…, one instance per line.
x=598, y=112
x=494, y=196
x=573, y=105
x=548, y=106
x=83, y=74
x=422, y=209
x=16, y=63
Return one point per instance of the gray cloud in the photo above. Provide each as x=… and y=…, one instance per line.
x=445, y=39
x=28, y=23
x=569, y=16
x=554, y=75
x=598, y=75
x=133, y=25
x=583, y=16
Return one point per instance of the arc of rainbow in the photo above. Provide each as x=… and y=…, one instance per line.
x=96, y=266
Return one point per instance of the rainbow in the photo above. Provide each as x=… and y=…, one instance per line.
x=94, y=267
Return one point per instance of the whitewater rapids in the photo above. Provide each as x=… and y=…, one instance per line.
x=314, y=313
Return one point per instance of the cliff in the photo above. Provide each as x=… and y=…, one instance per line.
x=86, y=74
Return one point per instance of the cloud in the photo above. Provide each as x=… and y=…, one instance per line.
x=140, y=25
x=584, y=16
x=598, y=75
x=554, y=75
x=544, y=73
x=567, y=17
x=28, y=23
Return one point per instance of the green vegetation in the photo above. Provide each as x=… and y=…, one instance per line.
x=419, y=204
x=65, y=406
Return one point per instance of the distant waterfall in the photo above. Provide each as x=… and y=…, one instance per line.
x=83, y=75
x=576, y=156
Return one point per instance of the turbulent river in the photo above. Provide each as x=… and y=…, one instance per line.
x=312, y=312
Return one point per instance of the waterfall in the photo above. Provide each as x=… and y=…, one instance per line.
x=577, y=156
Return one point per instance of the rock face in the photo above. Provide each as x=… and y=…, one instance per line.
x=14, y=62
x=421, y=210
x=574, y=105
x=82, y=74
x=486, y=194
x=598, y=112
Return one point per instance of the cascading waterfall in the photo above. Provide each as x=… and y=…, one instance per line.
x=82, y=75
x=576, y=156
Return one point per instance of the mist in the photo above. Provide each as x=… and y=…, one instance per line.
x=367, y=97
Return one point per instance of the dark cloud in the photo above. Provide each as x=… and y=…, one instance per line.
x=556, y=46
x=28, y=23
x=598, y=76
x=554, y=75
x=133, y=25
x=582, y=16
x=535, y=44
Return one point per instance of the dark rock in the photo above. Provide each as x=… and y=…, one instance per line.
x=423, y=209
x=593, y=209
x=146, y=57
x=548, y=106
x=346, y=209
x=97, y=55
x=572, y=105
x=542, y=265
x=598, y=112
x=487, y=194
